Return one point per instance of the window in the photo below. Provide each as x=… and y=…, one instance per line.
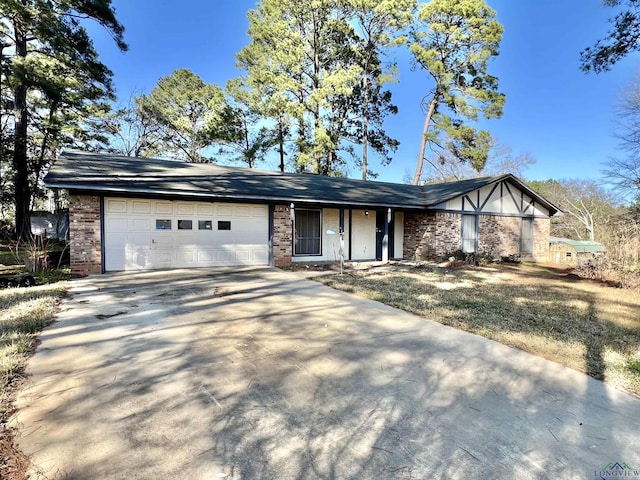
x=224, y=225
x=526, y=236
x=185, y=224
x=163, y=224
x=568, y=254
x=308, y=232
x=205, y=225
x=469, y=233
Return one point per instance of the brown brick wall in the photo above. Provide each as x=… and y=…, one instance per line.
x=430, y=235
x=433, y=236
x=84, y=235
x=282, y=236
x=499, y=236
x=541, y=232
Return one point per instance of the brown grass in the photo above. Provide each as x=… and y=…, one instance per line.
x=585, y=325
x=23, y=313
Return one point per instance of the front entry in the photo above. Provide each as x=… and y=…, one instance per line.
x=380, y=221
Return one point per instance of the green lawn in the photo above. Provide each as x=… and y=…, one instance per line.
x=582, y=324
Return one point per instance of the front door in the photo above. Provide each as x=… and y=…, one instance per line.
x=380, y=220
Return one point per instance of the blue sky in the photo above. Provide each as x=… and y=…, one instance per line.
x=562, y=117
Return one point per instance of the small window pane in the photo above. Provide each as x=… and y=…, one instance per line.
x=204, y=225
x=568, y=254
x=224, y=225
x=185, y=224
x=163, y=224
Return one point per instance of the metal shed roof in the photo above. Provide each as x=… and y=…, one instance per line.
x=117, y=174
x=580, y=246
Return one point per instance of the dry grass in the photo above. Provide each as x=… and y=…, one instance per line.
x=23, y=313
x=582, y=324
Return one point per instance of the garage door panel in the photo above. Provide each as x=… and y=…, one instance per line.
x=187, y=257
x=139, y=225
x=164, y=208
x=141, y=206
x=224, y=211
x=116, y=224
x=205, y=257
x=116, y=206
x=133, y=242
x=259, y=255
x=205, y=210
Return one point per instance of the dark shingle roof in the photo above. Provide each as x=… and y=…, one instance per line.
x=116, y=174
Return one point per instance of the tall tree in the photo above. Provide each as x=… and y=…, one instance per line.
x=125, y=130
x=47, y=37
x=186, y=107
x=308, y=59
x=453, y=41
x=619, y=42
x=378, y=27
x=239, y=131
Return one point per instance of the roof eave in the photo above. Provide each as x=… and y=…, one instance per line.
x=192, y=194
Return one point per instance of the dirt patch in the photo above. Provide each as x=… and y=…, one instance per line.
x=13, y=463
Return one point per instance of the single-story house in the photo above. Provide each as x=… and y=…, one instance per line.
x=573, y=252
x=138, y=213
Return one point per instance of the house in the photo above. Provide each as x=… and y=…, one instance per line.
x=573, y=252
x=140, y=213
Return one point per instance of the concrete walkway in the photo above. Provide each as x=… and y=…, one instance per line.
x=259, y=374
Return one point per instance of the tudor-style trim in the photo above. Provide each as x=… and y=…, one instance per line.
x=486, y=200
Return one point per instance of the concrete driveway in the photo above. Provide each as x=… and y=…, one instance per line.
x=259, y=374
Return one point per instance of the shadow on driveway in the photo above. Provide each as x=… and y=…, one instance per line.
x=258, y=374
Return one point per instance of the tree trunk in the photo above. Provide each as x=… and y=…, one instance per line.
x=365, y=127
x=281, y=144
x=423, y=142
x=20, y=165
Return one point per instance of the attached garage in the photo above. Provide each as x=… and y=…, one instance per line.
x=128, y=214
x=148, y=234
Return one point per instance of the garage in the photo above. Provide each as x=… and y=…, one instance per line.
x=150, y=234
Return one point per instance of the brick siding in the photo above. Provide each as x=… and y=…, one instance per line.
x=84, y=235
x=434, y=236
x=499, y=236
x=541, y=232
x=431, y=235
x=282, y=236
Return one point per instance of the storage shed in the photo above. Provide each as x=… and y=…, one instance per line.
x=573, y=252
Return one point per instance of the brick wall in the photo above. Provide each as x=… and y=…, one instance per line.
x=84, y=235
x=434, y=236
x=499, y=236
x=282, y=236
x=431, y=235
x=541, y=232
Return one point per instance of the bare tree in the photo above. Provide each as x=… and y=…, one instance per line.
x=624, y=173
x=585, y=204
x=501, y=160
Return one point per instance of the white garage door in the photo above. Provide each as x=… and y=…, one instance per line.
x=147, y=234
